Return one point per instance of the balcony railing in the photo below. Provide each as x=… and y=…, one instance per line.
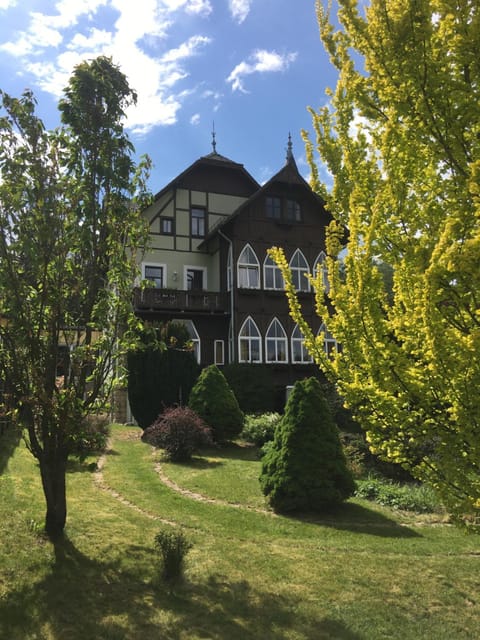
x=151, y=299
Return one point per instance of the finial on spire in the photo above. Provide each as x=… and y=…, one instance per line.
x=214, y=144
x=289, y=148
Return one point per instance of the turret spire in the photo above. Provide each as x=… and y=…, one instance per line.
x=289, y=157
x=214, y=143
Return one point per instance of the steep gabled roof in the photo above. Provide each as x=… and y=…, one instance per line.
x=288, y=174
x=212, y=160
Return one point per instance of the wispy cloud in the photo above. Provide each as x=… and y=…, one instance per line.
x=52, y=44
x=239, y=9
x=260, y=61
x=6, y=4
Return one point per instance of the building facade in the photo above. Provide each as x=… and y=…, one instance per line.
x=207, y=264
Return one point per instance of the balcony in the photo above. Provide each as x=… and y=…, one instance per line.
x=152, y=299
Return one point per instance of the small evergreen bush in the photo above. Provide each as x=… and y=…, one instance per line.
x=304, y=468
x=173, y=546
x=260, y=429
x=253, y=386
x=180, y=432
x=215, y=403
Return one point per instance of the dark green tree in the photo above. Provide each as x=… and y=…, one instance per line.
x=69, y=229
x=216, y=404
x=305, y=469
x=162, y=370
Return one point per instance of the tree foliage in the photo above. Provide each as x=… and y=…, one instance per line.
x=305, y=469
x=69, y=227
x=215, y=402
x=401, y=138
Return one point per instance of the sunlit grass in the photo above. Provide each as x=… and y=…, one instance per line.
x=364, y=572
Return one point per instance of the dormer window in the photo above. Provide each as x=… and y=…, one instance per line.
x=273, y=207
x=293, y=213
x=283, y=210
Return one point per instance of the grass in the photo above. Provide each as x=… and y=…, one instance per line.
x=365, y=572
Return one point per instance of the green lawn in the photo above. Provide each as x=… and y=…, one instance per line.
x=363, y=572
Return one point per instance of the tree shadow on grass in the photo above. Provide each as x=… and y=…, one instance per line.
x=356, y=518
x=9, y=441
x=83, y=598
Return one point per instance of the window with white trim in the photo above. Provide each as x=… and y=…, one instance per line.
x=219, y=352
x=249, y=342
x=198, y=222
x=300, y=354
x=299, y=269
x=155, y=273
x=248, y=269
x=320, y=267
x=329, y=343
x=272, y=276
x=276, y=343
x=193, y=333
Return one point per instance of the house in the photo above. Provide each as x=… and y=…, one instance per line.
x=210, y=229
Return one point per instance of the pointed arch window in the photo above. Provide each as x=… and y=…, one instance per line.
x=300, y=354
x=272, y=276
x=299, y=268
x=276, y=343
x=320, y=267
x=193, y=333
x=248, y=269
x=330, y=345
x=249, y=342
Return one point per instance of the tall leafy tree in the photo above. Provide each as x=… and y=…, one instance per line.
x=401, y=138
x=69, y=228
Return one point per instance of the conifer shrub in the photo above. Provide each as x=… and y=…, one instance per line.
x=253, y=386
x=180, y=432
x=214, y=401
x=161, y=371
x=304, y=468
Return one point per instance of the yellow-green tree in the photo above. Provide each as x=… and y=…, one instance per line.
x=401, y=138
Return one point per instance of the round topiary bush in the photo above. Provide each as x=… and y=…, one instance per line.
x=215, y=402
x=179, y=431
x=304, y=468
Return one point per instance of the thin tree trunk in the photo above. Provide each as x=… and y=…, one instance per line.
x=53, y=472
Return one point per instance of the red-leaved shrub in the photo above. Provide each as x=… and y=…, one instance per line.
x=179, y=431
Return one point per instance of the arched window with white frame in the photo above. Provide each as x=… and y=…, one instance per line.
x=300, y=354
x=194, y=337
x=299, y=269
x=248, y=269
x=272, y=276
x=330, y=345
x=249, y=342
x=320, y=268
x=276, y=343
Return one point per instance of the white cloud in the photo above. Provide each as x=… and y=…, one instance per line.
x=261, y=61
x=52, y=45
x=186, y=49
x=7, y=4
x=199, y=7
x=239, y=9
x=195, y=119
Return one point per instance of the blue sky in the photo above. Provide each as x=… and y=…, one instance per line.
x=250, y=66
